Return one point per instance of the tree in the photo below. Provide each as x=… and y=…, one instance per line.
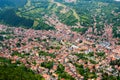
x=48, y=65
x=60, y=68
x=116, y=62
x=1, y=38
x=100, y=54
x=10, y=71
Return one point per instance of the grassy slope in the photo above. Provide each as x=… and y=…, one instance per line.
x=36, y=10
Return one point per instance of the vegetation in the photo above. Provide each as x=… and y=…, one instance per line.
x=101, y=54
x=48, y=65
x=85, y=12
x=10, y=71
x=10, y=18
x=12, y=3
x=96, y=11
x=115, y=62
x=116, y=33
x=91, y=54
x=18, y=44
x=109, y=77
x=82, y=30
x=85, y=72
x=54, y=47
x=42, y=53
x=16, y=53
x=43, y=26
x=62, y=74
x=60, y=68
x=1, y=38
x=86, y=57
x=81, y=56
x=3, y=3
x=68, y=18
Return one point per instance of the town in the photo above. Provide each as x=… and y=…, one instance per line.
x=43, y=51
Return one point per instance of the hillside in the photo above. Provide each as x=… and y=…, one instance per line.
x=12, y=3
x=36, y=10
x=87, y=13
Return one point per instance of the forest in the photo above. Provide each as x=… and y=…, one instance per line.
x=12, y=3
x=10, y=18
x=9, y=71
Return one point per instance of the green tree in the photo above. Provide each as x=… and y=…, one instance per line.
x=48, y=65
